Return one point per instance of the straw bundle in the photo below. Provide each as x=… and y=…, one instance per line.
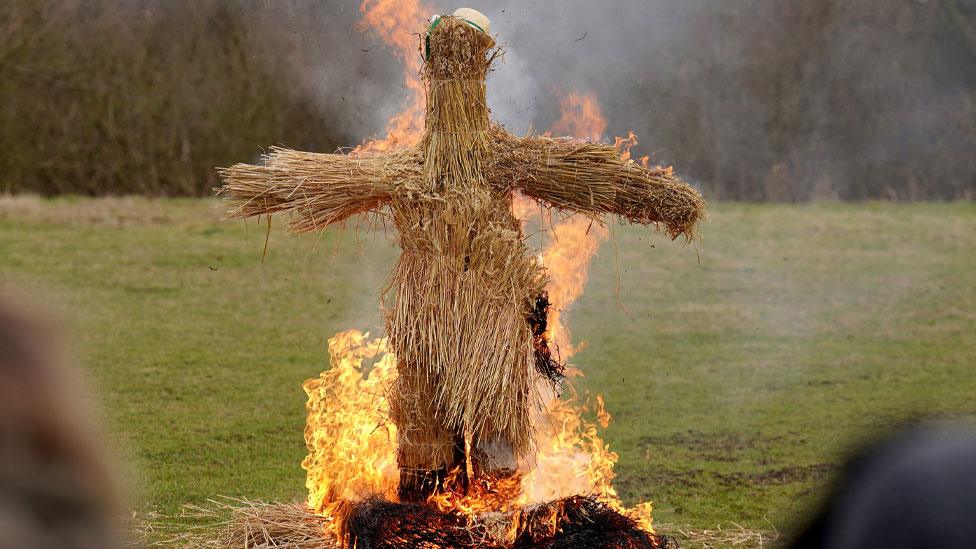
x=456, y=140
x=592, y=179
x=317, y=189
x=458, y=322
x=251, y=525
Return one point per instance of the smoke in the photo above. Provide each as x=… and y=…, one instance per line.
x=756, y=100
x=355, y=79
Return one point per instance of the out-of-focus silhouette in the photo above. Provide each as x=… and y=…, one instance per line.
x=56, y=488
x=916, y=490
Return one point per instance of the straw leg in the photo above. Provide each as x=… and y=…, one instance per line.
x=427, y=450
x=418, y=483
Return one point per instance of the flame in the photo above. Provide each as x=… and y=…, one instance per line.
x=396, y=23
x=580, y=116
x=572, y=458
x=624, y=144
x=352, y=445
x=574, y=242
x=483, y=496
x=351, y=441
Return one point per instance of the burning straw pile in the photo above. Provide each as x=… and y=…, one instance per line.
x=575, y=522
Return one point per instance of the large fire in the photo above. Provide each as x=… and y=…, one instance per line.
x=352, y=442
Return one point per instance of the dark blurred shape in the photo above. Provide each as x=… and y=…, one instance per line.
x=56, y=489
x=914, y=491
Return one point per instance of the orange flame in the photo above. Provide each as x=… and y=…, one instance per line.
x=396, y=23
x=624, y=144
x=581, y=117
x=352, y=446
x=572, y=457
x=352, y=443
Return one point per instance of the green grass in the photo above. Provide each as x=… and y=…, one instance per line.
x=738, y=381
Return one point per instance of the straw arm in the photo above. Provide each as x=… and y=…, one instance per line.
x=592, y=179
x=316, y=189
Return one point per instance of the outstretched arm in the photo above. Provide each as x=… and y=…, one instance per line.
x=317, y=189
x=592, y=179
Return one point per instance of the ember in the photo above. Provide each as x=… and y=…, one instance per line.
x=574, y=522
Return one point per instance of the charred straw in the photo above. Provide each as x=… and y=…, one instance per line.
x=545, y=363
x=572, y=523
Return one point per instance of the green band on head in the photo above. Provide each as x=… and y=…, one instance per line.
x=436, y=22
x=475, y=25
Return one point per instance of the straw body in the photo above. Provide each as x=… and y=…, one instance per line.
x=462, y=290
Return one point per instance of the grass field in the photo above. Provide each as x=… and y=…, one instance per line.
x=738, y=382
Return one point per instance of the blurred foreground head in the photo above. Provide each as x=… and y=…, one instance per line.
x=55, y=486
x=914, y=490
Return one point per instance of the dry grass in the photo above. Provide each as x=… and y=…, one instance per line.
x=733, y=536
x=244, y=524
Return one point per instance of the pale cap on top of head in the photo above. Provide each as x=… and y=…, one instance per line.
x=474, y=17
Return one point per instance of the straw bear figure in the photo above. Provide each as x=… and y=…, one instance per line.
x=459, y=300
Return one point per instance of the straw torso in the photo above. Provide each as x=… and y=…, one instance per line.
x=465, y=281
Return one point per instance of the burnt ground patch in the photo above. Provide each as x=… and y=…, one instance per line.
x=697, y=460
x=718, y=447
x=701, y=478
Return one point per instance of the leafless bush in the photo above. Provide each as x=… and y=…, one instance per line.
x=142, y=97
x=758, y=100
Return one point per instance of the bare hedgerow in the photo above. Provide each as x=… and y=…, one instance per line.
x=142, y=97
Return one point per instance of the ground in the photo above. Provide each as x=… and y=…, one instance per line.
x=739, y=371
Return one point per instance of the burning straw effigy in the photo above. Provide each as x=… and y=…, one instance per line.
x=466, y=305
